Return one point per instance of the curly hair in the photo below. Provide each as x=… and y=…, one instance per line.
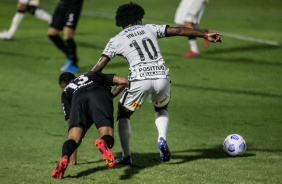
x=128, y=14
x=66, y=77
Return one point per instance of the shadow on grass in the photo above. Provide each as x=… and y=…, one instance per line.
x=146, y=160
x=87, y=172
x=214, y=153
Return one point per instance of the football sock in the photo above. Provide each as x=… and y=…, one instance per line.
x=124, y=132
x=71, y=46
x=42, y=15
x=162, y=121
x=60, y=44
x=18, y=17
x=109, y=140
x=69, y=147
x=193, y=44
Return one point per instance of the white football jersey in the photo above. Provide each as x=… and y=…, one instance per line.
x=30, y=2
x=189, y=11
x=139, y=46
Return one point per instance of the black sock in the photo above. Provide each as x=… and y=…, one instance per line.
x=69, y=147
x=109, y=140
x=59, y=43
x=71, y=46
x=191, y=37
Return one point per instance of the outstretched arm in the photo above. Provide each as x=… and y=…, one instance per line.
x=183, y=31
x=102, y=62
x=121, y=83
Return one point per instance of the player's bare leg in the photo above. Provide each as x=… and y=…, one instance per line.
x=73, y=158
x=194, y=51
x=74, y=138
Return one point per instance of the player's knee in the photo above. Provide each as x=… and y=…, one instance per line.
x=123, y=115
x=109, y=140
x=31, y=9
x=21, y=11
x=53, y=33
x=123, y=112
x=157, y=109
x=21, y=7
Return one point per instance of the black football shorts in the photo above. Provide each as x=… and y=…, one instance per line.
x=91, y=105
x=66, y=16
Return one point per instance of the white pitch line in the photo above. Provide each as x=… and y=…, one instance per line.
x=230, y=35
x=240, y=37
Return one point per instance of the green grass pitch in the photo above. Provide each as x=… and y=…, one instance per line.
x=232, y=87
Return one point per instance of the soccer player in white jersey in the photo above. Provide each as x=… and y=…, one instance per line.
x=148, y=76
x=189, y=14
x=23, y=6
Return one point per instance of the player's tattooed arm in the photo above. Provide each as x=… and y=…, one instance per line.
x=121, y=83
x=183, y=31
x=102, y=62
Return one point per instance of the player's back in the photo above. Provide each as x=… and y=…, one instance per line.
x=138, y=45
x=89, y=79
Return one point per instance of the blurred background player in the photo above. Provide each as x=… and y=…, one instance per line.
x=189, y=14
x=149, y=76
x=65, y=18
x=87, y=100
x=23, y=6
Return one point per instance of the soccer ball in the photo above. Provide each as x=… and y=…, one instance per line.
x=234, y=145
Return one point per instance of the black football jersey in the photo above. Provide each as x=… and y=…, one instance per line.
x=86, y=80
x=70, y=2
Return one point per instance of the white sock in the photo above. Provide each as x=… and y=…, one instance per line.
x=18, y=17
x=162, y=121
x=124, y=132
x=193, y=45
x=43, y=15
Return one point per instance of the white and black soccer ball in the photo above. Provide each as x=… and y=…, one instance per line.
x=234, y=145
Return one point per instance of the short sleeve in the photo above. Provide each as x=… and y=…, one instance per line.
x=107, y=78
x=66, y=105
x=160, y=30
x=110, y=49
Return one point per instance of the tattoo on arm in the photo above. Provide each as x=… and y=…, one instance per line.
x=183, y=31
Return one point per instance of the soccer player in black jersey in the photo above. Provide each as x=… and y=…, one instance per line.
x=88, y=99
x=64, y=80
x=65, y=18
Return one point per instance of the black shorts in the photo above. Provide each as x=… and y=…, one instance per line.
x=92, y=105
x=66, y=15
